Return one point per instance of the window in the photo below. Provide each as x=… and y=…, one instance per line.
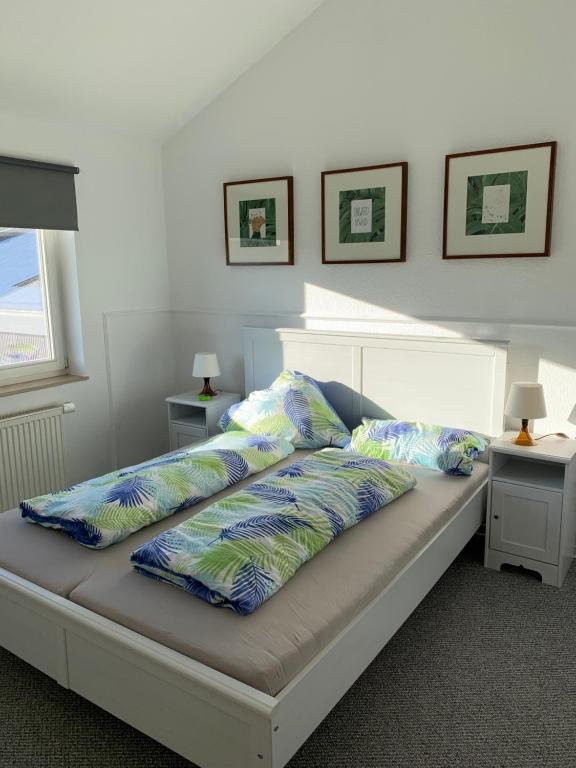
x=31, y=344
x=39, y=307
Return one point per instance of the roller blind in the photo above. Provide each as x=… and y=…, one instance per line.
x=36, y=195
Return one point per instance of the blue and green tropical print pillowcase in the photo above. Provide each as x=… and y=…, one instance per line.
x=450, y=450
x=294, y=408
x=108, y=509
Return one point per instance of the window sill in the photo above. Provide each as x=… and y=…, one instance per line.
x=33, y=384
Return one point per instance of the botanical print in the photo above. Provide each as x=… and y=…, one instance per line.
x=105, y=510
x=294, y=408
x=451, y=450
x=496, y=203
x=362, y=215
x=257, y=222
x=242, y=549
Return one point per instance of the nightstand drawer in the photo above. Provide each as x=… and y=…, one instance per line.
x=525, y=521
x=182, y=435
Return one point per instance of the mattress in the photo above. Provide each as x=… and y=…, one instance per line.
x=270, y=647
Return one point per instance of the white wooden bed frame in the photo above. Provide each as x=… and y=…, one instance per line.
x=212, y=719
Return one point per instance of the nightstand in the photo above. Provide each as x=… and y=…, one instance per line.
x=531, y=517
x=191, y=420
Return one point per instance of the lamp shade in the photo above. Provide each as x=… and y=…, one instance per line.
x=526, y=400
x=205, y=365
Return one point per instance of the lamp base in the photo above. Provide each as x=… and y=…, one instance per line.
x=207, y=390
x=524, y=437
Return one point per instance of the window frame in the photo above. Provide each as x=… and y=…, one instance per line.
x=57, y=365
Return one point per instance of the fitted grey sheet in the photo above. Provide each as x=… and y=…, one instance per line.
x=268, y=648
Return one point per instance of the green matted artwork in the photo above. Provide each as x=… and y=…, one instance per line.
x=364, y=214
x=259, y=222
x=498, y=202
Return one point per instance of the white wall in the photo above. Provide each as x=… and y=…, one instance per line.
x=357, y=83
x=121, y=259
x=381, y=81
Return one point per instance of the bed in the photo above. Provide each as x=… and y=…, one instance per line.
x=224, y=690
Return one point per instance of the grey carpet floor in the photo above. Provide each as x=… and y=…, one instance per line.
x=482, y=675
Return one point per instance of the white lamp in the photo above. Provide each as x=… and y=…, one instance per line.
x=205, y=366
x=526, y=401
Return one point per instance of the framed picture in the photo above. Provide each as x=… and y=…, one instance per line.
x=498, y=202
x=364, y=214
x=259, y=222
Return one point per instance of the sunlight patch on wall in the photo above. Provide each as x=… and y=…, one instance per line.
x=560, y=392
x=328, y=310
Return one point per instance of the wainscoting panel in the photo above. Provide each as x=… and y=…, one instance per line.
x=140, y=362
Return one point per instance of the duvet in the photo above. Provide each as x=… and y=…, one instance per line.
x=240, y=550
x=108, y=509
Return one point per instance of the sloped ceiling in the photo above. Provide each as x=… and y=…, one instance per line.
x=138, y=66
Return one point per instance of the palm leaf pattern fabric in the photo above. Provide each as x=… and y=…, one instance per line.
x=450, y=450
x=242, y=549
x=108, y=509
x=293, y=407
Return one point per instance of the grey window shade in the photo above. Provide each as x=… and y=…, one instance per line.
x=36, y=195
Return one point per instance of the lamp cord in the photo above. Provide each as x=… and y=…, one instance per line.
x=552, y=434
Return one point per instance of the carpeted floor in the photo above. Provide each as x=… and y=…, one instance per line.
x=482, y=675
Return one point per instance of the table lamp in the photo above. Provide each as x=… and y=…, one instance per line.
x=526, y=401
x=205, y=366
x=572, y=417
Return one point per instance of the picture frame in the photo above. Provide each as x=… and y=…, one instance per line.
x=364, y=214
x=259, y=222
x=498, y=202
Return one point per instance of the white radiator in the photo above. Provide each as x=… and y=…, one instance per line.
x=31, y=455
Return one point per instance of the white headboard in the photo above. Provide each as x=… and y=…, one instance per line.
x=456, y=382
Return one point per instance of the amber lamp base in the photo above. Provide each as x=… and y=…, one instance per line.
x=524, y=437
x=207, y=390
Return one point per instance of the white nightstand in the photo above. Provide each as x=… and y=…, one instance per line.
x=531, y=517
x=191, y=420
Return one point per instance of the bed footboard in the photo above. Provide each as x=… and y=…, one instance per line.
x=28, y=632
x=210, y=719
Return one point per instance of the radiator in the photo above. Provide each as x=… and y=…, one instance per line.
x=31, y=455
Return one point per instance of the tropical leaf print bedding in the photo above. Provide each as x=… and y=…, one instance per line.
x=240, y=550
x=108, y=509
x=295, y=408
x=450, y=450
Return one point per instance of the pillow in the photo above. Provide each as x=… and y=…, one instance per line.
x=451, y=450
x=293, y=408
